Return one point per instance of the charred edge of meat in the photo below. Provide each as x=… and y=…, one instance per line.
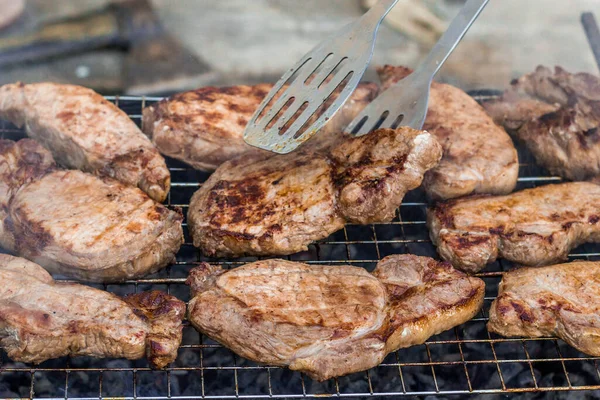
x=146, y=176
x=473, y=298
x=200, y=277
x=30, y=242
x=211, y=94
x=33, y=161
x=164, y=314
x=442, y=209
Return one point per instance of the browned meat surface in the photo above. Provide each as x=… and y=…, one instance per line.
x=479, y=157
x=533, y=227
x=87, y=132
x=80, y=225
x=278, y=204
x=42, y=319
x=205, y=127
x=560, y=300
x=325, y=320
x=557, y=116
x=163, y=314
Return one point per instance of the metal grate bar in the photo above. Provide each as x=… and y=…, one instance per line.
x=463, y=361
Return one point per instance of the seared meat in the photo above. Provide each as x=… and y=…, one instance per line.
x=329, y=321
x=80, y=225
x=277, y=204
x=479, y=157
x=87, y=132
x=559, y=300
x=272, y=206
x=205, y=127
x=557, y=116
x=533, y=227
x=542, y=92
x=42, y=319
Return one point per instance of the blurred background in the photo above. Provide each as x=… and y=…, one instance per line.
x=165, y=46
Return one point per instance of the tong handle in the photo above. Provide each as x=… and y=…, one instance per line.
x=377, y=13
x=593, y=34
x=455, y=32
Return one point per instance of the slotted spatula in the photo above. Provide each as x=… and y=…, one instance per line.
x=405, y=103
x=311, y=92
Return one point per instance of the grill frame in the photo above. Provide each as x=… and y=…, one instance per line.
x=356, y=245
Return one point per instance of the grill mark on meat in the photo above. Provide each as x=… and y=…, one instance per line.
x=341, y=320
x=466, y=241
x=557, y=115
x=559, y=300
x=521, y=312
x=209, y=94
x=152, y=304
x=86, y=132
x=567, y=225
x=233, y=196
x=93, y=229
x=23, y=162
x=277, y=205
x=531, y=227
x=56, y=319
x=237, y=108
x=204, y=127
x=557, y=306
x=478, y=157
x=442, y=212
x=236, y=235
x=499, y=230
x=348, y=175
x=30, y=241
x=163, y=313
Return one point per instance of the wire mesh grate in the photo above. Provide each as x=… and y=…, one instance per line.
x=464, y=360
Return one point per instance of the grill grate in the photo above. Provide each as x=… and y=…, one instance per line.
x=464, y=360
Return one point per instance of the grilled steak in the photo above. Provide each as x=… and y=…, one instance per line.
x=329, y=321
x=277, y=204
x=560, y=300
x=77, y=224
x=87, y=132
x=205, y=127
x=479, y=157
x=533, y=227
x=42, y=319
x=557, y=116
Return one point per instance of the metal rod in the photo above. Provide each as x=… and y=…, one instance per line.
x=593, y=34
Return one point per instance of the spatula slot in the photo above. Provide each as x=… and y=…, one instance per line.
x=281, y=89
x=333, y=72
x=335, y=93
x=359, y=125
x=280, y=113
x=322, y=66
x=380, y=121
x=397, y=122
x=287, y=123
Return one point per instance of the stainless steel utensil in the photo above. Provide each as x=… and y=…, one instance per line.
x=405, y=103
x=593, y=34
x=311, y=92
